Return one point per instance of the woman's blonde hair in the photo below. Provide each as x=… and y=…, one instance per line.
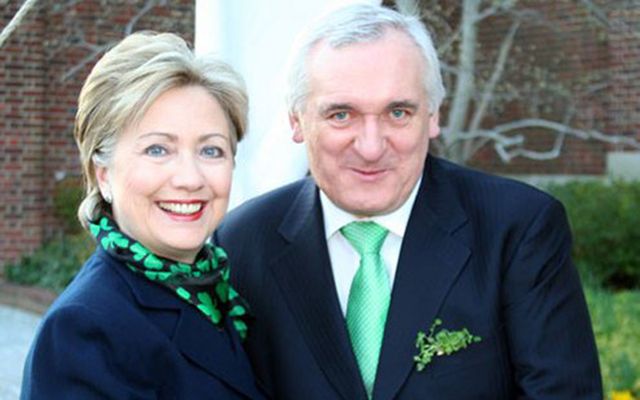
x=126, y=81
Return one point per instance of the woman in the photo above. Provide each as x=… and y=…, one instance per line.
x=150, y=315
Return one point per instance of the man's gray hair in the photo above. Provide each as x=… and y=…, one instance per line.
x=360, y=23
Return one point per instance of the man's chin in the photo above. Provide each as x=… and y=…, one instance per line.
x=369, y=209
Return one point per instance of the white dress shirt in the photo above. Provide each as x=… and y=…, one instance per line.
x=345, y=260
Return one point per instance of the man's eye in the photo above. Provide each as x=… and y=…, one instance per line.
x=155, y=150
x=340, y=116
x=399, y=114
x=212, y=152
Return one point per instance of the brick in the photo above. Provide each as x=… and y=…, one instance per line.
x=37, y=109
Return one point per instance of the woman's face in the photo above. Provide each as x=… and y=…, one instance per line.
x=170, y=175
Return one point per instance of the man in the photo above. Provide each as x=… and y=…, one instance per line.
x=338, y=305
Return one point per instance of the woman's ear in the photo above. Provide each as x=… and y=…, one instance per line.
x=102, y=177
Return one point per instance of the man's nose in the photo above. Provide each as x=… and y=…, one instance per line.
x=370, y=143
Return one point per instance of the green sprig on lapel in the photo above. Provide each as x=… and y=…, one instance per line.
x=443, y=342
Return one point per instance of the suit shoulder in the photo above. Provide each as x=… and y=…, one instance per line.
x=266, y=209
x=484, y=187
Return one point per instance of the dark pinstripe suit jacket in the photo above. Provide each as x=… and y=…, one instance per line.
x=480, y=252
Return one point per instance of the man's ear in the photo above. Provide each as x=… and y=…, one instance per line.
x=433, y=130
x=296, y=128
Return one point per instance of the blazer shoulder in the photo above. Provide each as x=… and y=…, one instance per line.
x=96, y=286
x=95, y=332
x=105, y=296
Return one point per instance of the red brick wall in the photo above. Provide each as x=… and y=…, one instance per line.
x=569, y=59
x=41, y=72
x=624, y=53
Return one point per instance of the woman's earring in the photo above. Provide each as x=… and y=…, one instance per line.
x=107, y=197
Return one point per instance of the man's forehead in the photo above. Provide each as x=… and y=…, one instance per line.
x=394, y=44
x=327, y=105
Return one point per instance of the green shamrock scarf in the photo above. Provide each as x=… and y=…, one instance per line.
x=205, y=283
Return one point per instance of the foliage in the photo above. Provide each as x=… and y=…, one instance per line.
x=616, y=324
x=67, y=196
x=605, y=220
x=54, y=265
x=444, y=342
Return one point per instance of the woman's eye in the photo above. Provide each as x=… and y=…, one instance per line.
x=155, y=150
x=212, y=152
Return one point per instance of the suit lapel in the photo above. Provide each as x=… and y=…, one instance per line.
x=213, y=349
x=430, y=261
x=303, y=272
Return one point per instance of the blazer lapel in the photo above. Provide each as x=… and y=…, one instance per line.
x=430, y=261
x=215, y=350
x=211, y=348
x=303, y=272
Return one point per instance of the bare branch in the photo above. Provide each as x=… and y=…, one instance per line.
x=554, y=152
x=143, y=11
x=446, y=45
x=486, y=13
x=95, y=49
x=597, y=12
x=510, y=146
x=466, y=66
x=16, y=20
x=58, y=7
x=498, y=70
x=408, y=7
x=601, y=16
x=495, y=9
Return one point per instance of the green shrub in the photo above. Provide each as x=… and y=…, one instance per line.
x=54, y=264
x=67, y=195
x=605, y=220
x=616, y=324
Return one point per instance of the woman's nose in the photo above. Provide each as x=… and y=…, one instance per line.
x=188, y=174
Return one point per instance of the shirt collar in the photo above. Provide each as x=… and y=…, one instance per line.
x=396, y=221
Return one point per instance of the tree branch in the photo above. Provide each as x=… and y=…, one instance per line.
x=489, y=88
x=511, y=146
x=466, y=66
x=96, y=50
x=601, y=16
x=16, y=20
x=143, y=11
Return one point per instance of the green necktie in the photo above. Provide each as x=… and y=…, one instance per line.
x=368, y=298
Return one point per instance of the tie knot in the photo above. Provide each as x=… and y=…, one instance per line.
x=365, y=237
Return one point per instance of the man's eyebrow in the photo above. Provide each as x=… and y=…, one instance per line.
x=331, y=107
x=411, y=105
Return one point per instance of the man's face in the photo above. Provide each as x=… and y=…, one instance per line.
x=366, y=122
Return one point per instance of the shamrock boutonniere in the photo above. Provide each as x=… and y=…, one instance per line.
x=443, y=342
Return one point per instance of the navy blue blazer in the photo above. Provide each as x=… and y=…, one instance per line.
x=480, y=252
x=112, y=334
